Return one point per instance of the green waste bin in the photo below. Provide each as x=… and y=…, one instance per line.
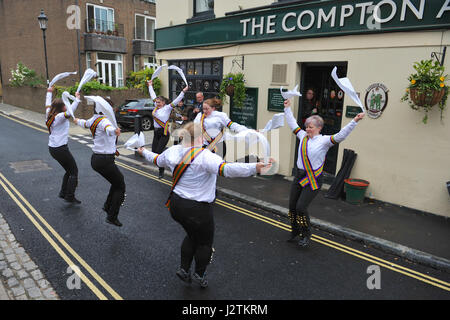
x=355, y=190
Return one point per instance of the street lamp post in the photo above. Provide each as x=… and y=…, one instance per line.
x=43, y=22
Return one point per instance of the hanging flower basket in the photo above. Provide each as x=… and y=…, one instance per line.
x=233, y=85
x=426, y=97
x=230, y=90
x=427, y=87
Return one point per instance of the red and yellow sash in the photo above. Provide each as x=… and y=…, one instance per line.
x=311, y=174
x=94, y=126
x=180, y=169
x=50, y=122
x=211, y=142
x=163, y=124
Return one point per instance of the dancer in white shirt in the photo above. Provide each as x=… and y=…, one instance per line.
x=103, y=161
x=213, y=124
x=58, y=128
x=193, y=193
x=312, y=150
x=161, y=115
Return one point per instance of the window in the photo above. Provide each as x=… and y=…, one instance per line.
x=150, y=62
x=100, y=18
x=88, y=60
x=110, y=69
x=203, y=7
x=202, y=75
x=145, y=28
x=136, y=64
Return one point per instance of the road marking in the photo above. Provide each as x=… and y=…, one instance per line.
x=114, y=294
x=335, y=245
x=326, y=242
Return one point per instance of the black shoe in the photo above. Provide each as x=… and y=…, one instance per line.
x=304, y=239
x=115, y=222
x=72, y=199
x=202, y=281
x=184, y=276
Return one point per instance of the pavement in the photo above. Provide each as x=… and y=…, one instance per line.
x=416, y=236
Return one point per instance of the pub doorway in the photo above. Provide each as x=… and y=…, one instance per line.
x=328, y=100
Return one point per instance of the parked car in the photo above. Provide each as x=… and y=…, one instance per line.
x=126, y=113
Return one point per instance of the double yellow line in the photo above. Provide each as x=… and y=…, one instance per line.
x=326, y=242
x=57, y=242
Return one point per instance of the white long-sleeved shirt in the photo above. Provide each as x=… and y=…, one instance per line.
x=59, y=130
x=105, y=135
x=198, y=183
x=317, y=146
x=163, y=113
x=216, y=122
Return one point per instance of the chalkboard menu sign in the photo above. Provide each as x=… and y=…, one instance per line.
x=247, y=115
x=352, y=111
x=276, y=100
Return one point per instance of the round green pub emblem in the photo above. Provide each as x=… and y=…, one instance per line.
x=376, y=100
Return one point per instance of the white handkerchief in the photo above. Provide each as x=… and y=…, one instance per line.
x=276, y=122
x=180, y=72
x=88, y=75
x=346, y=86
x=158, y=71
x=59, y=77
x=135, y=142
x=101, y=105
x=65, y=98
x=289, y=94
x=251, y=137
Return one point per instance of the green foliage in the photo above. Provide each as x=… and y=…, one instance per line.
x=429, y=77
x=236, y=80
x=87, y=88
x=139, y=80
x=25, y=77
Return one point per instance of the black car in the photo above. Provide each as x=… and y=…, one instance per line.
x=127, y=112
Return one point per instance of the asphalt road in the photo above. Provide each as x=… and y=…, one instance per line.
x=139, y=260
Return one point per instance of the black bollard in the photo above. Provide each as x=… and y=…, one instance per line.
x=137, y=128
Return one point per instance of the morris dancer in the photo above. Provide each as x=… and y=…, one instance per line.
x=58, y=127
x=213, y=124
x=103, y=161
x=312, y=150
x=161, y=115
x=193, y=193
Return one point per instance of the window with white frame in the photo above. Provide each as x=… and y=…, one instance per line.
x=110, y=69
x=145, y=27
x=137, y=65
x=88, y=60
x=100, y=18
x=150, y=62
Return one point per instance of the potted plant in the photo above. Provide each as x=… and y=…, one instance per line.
x=233, y=85
x=427, y=87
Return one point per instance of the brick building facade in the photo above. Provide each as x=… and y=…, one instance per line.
x=114, y=38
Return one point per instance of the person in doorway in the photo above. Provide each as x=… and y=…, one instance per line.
x=312, y=150
x=161, y=114
x=58, y=125
x=309, y=105
x=193, y=194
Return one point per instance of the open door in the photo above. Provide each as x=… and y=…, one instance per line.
x=328, y=100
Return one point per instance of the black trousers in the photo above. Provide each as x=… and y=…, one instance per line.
x=197, y=220
x=66, y=160
x=299, y=200
x=105, y=165
x=159, y=142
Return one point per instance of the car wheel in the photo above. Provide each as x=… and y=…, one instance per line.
x=147, y=124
